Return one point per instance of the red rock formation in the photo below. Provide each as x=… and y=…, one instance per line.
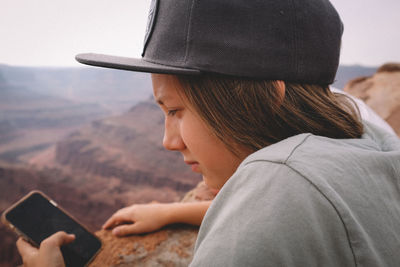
x=122, y=157
x=381, y=92
x=172, y=246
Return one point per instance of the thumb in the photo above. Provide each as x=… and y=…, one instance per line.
x=130, y=229
x=58, y=239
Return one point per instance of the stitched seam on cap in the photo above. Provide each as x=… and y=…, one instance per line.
x=172, y=66
x=188, y=31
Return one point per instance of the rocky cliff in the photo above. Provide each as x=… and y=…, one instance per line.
x=127, y=146
x=122, y=158
x=381, y=92
x=171, y=246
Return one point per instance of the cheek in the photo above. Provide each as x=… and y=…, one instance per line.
x=194, y=133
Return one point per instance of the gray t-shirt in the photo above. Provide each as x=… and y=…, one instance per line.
x=309, y=201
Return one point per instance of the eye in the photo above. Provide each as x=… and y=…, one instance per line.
x=172, y=112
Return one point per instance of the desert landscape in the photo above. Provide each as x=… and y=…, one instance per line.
x=88, y=138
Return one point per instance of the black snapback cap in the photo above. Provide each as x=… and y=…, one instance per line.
x=290, y=40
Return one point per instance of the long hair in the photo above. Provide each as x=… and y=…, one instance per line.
x=254, y=114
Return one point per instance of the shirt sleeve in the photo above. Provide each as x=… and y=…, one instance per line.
x=269, y=215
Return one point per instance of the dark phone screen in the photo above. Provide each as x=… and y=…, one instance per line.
x=37, y=218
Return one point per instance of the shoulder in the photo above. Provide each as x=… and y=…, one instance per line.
x=323, y=160
x=268, y=212
x=303, y=201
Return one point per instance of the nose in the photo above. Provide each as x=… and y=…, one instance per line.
x=172, y=138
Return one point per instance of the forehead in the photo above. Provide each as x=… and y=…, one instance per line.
x=165, y=87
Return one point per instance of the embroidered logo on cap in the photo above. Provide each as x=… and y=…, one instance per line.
x=150, y=23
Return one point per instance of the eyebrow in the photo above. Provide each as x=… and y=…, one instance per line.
x=161, y=98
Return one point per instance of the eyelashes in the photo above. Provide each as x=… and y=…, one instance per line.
x=172, y=112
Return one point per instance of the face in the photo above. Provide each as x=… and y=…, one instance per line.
x=186, y=132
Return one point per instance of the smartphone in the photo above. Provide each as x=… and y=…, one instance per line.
x=35, y=217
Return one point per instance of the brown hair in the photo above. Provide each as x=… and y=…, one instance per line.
x=252, y=113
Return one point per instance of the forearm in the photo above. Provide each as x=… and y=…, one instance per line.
x=190, y=213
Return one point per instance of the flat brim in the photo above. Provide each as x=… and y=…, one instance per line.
x=130, y=64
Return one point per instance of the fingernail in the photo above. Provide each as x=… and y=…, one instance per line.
x=116, y=231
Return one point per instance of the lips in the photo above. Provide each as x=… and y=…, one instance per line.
x=194, y=165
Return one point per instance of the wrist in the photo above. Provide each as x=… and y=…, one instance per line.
x=171, y=212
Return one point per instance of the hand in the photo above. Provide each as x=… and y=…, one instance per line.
x=136, y=219
x=49, y=253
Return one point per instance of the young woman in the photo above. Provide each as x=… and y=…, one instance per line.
x=244, y=88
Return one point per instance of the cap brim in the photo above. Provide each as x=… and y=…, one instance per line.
x=130, y=64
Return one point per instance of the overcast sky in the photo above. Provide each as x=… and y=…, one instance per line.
x=51, y=32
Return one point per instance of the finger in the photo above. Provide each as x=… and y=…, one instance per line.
x=58, y=239
x=111, y=222
x=25, y=249
x=116, y=219
x=124, y=230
